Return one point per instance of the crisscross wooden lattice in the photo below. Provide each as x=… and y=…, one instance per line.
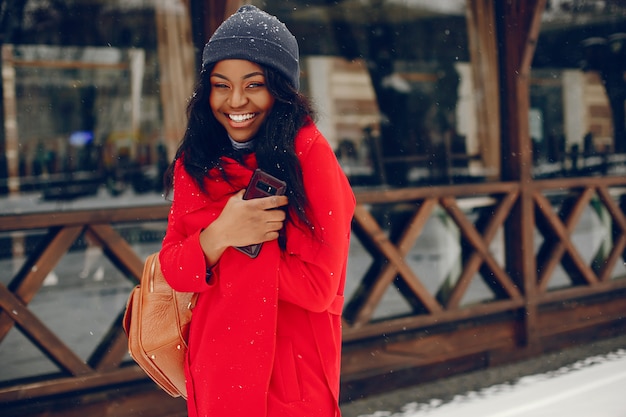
x=368, y=296
x=63, y=229
x=439, y=328
x=558, y=228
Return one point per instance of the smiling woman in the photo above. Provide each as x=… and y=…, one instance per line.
x=265, y=336
x=239, y=98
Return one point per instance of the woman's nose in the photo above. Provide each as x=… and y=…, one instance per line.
x=238, y=98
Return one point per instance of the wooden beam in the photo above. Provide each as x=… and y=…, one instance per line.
x=118, y=249
x=41, y=335
x=113, y=348
x=32, y=274
x=177, y=68
x=471, y=266
x=469, y=233
x=369, y=296
x=563, y=233
x=620, y=241
x=518, y=28
x=11, y=137
x=532, y=34
x=217, y=11
x=55, y=386
x=395, y=257
x=481, y=28
x=82, y=217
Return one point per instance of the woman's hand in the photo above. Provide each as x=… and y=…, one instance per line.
x=243, y=222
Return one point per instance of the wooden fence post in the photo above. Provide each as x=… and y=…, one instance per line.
x=518, y=28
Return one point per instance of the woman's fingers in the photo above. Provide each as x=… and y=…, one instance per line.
x=258, y=220
x=268, y=203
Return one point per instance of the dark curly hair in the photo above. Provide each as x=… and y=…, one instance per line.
x=206, y=141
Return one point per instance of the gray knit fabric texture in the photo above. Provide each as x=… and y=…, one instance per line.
x=256, y=36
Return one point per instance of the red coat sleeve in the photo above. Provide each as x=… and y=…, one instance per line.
x=181, y=256
x=312, y=269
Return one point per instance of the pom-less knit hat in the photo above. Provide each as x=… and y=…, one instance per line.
x=256, y=36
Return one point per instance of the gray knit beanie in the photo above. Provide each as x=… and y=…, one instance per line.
x=256, y=36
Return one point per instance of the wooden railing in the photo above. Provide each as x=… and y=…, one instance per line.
x=105, y=366
x=439, y=333
x=443, y=335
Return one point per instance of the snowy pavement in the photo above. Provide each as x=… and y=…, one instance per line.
x=592, y=387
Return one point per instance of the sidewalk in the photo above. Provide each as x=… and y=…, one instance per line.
x=586, y=381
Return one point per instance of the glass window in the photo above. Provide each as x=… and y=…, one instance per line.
x=82, y=104
x=83, y=129
x=394, y=86
x=577, y=97
x=398, y=98
x=578, y=90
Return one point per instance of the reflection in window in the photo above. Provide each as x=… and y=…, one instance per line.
x=83, y=80
x=578, y=90
x=394, y=85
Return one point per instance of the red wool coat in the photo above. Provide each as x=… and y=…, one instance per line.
x=265, y=337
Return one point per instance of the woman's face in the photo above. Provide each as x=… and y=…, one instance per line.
x=239, y=97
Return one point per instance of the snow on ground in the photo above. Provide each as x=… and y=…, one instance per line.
x=593, y=387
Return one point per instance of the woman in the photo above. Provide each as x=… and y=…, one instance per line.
x=265, y=336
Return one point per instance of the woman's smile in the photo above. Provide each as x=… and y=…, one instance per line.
x=240, y=118
x=239, y=97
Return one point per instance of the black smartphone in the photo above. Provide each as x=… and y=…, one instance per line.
x=262, y=184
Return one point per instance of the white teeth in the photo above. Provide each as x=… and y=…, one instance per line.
x=241, y=117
